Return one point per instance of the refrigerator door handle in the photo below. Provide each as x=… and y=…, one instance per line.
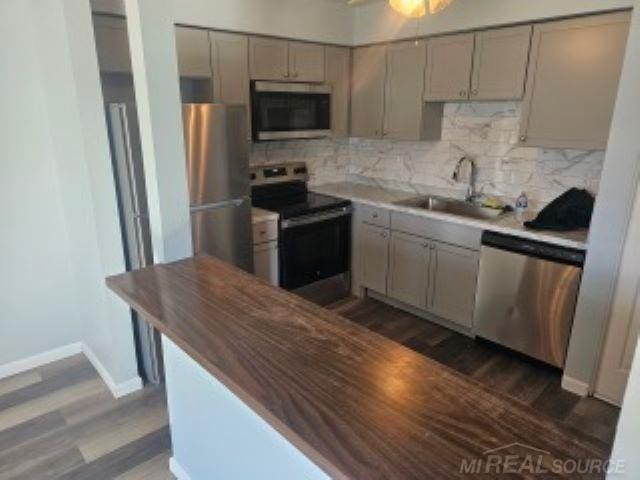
x=236, y=202
x=133, y=175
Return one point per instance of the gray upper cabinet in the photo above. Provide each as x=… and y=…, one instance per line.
x=112, y=44
x=306, y=62
x=500, y=63
x=338, y=75
x=373, y=248
x=230, y=65
x=573, y=80
x=404, y=108
x=367, y=91
x=268, y=59
x=408, y=269
x=449, y=64
x=273, y=59
x=193, y=51
x=452, y=286
x=230, y=62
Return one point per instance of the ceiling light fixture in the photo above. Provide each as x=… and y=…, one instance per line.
x=418, y=8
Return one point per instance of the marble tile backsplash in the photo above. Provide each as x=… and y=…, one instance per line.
x=486, y=132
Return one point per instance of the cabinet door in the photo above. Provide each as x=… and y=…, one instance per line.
x=268, y=59
x=573, y=81
x=265, y=262
x=404, y=89
x=500, y=63
x=373, y=246
x=230, y=63
x=452, y=287
x=367, y=91
x=112, y=44
x=193, y=50
x=449, y=61
x=338, y=75
x=306, y=62
x=408, y=269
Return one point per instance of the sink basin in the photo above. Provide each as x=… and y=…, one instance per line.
x=452, y=207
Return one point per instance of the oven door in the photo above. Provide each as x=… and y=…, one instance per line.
x=314, y=248
x=287, y=111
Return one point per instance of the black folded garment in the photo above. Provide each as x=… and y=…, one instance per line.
x=570, y=211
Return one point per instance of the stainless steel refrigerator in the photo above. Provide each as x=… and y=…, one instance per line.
x=128, y=172
x=217, y=156
x=220, y=205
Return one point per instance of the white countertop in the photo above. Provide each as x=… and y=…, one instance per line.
x=259, y=215
x=507, y=224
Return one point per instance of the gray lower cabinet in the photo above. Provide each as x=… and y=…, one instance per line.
x=409, y=269
x=452, y=285
x=373, y=257
x=408, y=258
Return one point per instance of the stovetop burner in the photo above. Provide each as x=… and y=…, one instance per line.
x=298, y=205
x=283, y=189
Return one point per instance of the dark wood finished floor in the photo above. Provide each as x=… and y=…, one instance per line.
x=358, y=404
x=60, y=422
x=526, y=381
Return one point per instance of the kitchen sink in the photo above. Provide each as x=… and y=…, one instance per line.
x=453, y=207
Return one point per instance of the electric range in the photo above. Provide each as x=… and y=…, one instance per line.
x=314, y=238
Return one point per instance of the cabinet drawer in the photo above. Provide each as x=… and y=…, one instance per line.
x=265, y=232
x=373, y=215
x=447, y=232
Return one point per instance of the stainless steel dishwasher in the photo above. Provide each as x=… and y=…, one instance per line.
x=527, y=295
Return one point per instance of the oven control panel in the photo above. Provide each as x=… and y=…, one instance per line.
x=284, y=172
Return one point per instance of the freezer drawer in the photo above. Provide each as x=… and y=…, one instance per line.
x=526, y=303
x=224, y=231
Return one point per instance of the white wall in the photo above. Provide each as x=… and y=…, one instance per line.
x=37, y=290
x=611, y=216
x=377, y=22
x=56, y=39
x=625, y=447
x=319, y=20
x=333, y=21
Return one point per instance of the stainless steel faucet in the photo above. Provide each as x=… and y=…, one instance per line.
x=471, y=189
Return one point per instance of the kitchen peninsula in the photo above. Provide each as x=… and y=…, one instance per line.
x=263, y=384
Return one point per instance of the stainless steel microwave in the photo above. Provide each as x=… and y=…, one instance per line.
x=283, y=111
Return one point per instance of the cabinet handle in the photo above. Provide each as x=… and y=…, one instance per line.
x=463, y=93
x=285, y=75
x=384, y=234
x=474, y=92
x=523, y=138
x=425, y=245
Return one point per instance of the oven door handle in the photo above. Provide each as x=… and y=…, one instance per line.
x=316, y=218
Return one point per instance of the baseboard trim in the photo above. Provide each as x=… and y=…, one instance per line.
x=177, y=470
x=575, y=386
x=117, y=389
x=35, y=361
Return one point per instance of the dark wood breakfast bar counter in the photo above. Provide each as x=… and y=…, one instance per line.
x=348, y=402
